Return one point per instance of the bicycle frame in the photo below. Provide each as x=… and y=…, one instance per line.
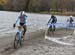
x=51, y=26
x=20, y=31
x=18, y=37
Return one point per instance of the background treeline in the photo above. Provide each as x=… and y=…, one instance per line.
x=38, y=5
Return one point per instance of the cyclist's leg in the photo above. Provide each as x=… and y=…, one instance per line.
x=71, y=24
x=50, y=27
x=54, y=27
x=21, y=33
x=25, y=29
x=21, y=24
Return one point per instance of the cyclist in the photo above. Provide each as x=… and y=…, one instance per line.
x=22, y=21
x=52, y=21
x=70, y=21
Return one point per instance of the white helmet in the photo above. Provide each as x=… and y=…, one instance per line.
x=22, y=12
x=71, y=16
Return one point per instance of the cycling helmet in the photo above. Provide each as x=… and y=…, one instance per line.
x=71, y=16
x=22, y=12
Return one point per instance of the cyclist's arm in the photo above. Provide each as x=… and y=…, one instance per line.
x=15, y=23
x=17, y=19
x=49, y=21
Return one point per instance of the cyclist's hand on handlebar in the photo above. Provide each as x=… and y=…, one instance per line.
x=14, y=25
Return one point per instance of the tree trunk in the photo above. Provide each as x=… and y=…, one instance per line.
x=27, y=5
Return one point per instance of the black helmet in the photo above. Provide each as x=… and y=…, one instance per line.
x=52, y=16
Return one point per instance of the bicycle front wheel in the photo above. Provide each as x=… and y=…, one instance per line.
x=16, y=41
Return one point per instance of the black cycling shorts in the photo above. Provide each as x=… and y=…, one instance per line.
x=21, y=24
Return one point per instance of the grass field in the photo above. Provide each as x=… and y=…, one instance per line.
x=59, y=13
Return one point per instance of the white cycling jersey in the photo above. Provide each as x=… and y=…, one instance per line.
x=18, y=21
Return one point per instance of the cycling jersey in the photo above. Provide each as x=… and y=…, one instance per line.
x=21, y=20
x=53, y=19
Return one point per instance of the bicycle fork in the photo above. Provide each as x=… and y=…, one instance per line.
x=20, y=36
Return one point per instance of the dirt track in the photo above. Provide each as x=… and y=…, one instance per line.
x=6, y=41
x=35, y=44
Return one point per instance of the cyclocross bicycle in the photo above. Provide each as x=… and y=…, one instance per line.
x=18, y=40
x=51, y=28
